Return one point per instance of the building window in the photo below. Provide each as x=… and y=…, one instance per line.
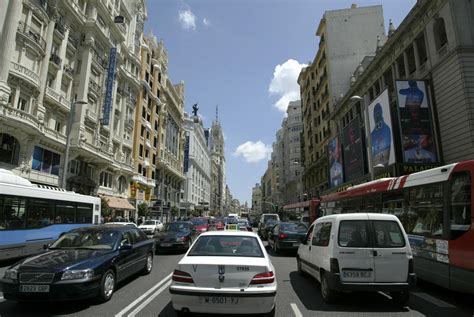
x=45, y=161
x=9, y=149
x=440, y=36
x=142, y=132
x=90, y=171
x=401, y=67
x=421, y=46
x=122, y=185
x=106, y=179
x=22, y=104
x=139, y=168
x=57, y=126
x=74, y=167
x=155, y=141
x=140, y=151
x=411, y=59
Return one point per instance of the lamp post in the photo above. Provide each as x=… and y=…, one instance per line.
x=367, y=129
x=68, y=139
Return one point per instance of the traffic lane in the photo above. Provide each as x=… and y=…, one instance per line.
x=127, y=292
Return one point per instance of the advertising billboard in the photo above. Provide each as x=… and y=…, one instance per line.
x=336, y=173
x=109, y=85
x=186, y=154
x=381, y=136
x=352, y=149
x=418, y=144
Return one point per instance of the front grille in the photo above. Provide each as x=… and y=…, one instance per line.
x=36, y=278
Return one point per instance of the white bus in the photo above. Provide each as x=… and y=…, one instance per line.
x=34, y=215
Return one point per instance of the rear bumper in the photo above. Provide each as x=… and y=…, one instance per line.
x=249, y=302
x=335, y=283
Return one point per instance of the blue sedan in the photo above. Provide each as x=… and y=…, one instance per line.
x=83, y=263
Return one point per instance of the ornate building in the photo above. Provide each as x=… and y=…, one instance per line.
x=218, y=182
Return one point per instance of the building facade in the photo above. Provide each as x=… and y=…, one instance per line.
x=197, y=167
x=429, y=53
x=218, y=180
x=71, y=63
x=346, y=36
x=257, y=199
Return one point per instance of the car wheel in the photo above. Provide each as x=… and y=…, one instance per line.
x=328, y=295
x=148, y=264
x=401, y=298
x=107, y=286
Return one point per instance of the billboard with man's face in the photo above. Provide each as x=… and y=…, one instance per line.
x=415, y=122
x=353, y=155
x=380, y=125
x=336, y=173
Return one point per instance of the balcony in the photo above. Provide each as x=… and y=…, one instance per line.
x=55, y=61
x=94, y=87
x=68, y=70
x=28, y=122
x=55, y=135
x=26, y=74
x=127, y=143
x=325, y=114
x=92, y=116
x=73, y=41
x=148, y=143
x=129, y=123
x=58, y=99
x=60, y=28
x=75, y=10
x=32, y=37
x=98, y=59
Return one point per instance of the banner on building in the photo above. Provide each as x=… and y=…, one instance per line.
x=416, y=130
x=381, y=137
x=186, y=154
x=109, y=85
x=336, y=173
x=353, y=151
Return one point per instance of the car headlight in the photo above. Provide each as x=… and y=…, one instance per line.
x=77, y=274
x=11, y=274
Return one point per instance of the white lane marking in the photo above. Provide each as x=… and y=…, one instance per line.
x=152, y=297
x=433, y=300
x=386, y=295
x=296, y=310
x=139, y=299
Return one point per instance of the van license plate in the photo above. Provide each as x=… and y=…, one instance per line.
x=356, y=274
x=165, y=245
x=34, y=288
x=218, y=300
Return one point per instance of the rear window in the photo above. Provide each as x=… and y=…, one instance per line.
x=226, y=246
x=294, y=227
x=353, y=234
x=388, y=234
x=269, y=217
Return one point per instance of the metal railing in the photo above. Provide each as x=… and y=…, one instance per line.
x=68, y=70
x=34, y=36
x=94, y=86
x=55, y=59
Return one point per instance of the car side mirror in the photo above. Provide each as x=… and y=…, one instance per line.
x=125, y=247
x=46, y=246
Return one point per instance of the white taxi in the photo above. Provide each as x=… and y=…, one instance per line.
x=225, y=272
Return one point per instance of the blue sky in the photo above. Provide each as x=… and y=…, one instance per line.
x=245, y=56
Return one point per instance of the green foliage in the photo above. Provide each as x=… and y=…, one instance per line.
x=143, y=210
x=104, y=207
x=174, y=211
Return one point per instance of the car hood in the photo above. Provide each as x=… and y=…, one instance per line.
x=57, y=260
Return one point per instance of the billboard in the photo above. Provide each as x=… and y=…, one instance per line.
x=381, y=137
x=186, y=154
x=352, y=149
x=418, y=144
x=109, y=85
x=336, y=173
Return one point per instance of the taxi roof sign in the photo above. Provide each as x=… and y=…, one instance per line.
x=232, y=227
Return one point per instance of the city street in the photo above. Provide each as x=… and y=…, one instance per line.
x=297, y=296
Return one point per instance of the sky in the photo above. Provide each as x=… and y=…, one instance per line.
x=245, y=57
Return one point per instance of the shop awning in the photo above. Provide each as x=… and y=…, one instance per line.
x=118, y=203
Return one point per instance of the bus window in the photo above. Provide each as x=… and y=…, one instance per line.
x=14, y=209
x=424, y=208
x=460, y=217
x=40, y=213
x=65, y=212
x=2, y=215
x=84, y=213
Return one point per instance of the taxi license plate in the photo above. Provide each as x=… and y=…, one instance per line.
x=356, y=274
x=165, y=244
x=34, y=288
x=218, y=300
x=296, y=244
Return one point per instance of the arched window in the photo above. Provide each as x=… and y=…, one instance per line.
x=9, y=149
x=440, y=36
x=122, y=184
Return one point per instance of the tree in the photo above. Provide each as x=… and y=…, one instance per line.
x=174, y=211
x=143, y=210
x=104, y=207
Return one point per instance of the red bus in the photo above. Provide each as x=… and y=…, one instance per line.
x=306, y=210
x=435, y=207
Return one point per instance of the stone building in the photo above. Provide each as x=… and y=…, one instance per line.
x=218, y=180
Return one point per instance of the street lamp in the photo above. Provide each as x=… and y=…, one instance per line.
x=367, y=129
x=68, y=140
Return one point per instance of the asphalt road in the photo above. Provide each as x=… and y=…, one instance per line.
x=297, y=296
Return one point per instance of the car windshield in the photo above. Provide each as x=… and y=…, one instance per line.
x=150, y=223
x=95, y=240
x=231, y=220
x=270, y=223
x=243, y=246
x=199, y=221
x=243, y=222
x=293, y=227
x=177, y=227
x=269, y=218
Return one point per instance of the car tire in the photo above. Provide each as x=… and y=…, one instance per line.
x=401, y=298
x=328, y=295
x=180, y=313
x=107, y=286
x=148, y=264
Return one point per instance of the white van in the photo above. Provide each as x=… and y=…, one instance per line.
x=263, y=220
x=358, y=252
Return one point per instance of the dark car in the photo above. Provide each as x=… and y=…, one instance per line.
x=176, y=235
x=287, y=236
x=82, y=263
x=266, y=230
x=244, y=225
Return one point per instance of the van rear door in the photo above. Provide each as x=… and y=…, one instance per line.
x=391, y=250
x=353, y=250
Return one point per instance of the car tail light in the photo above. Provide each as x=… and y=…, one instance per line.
x=410, y=266
x=180, y=276
x=334, y=265
x=283, y=236
x=184, y=238
x=263, y=278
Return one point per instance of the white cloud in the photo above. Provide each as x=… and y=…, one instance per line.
x=285, y=83
x=206, y=21
x=253, y=152
x=187, y=19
